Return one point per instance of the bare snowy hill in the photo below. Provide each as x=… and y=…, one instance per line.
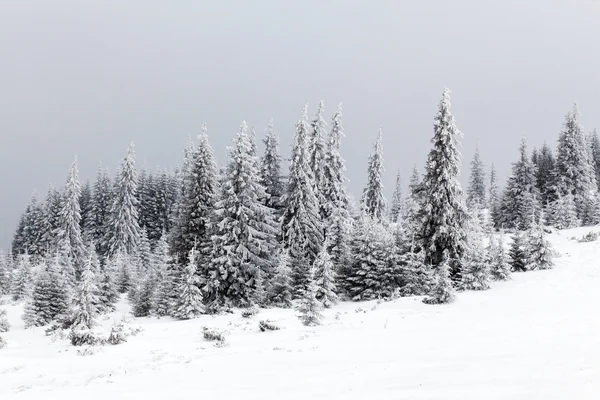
x=534, y=337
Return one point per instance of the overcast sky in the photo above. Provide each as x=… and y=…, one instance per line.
x=89, y=77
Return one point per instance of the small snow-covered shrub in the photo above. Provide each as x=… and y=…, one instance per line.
x=589, y=237
x=88, y=351
x=250, y=312
x=2, y=342
x=117, y=334
x=4, y=324
x=82, y=337
x=268, y=325
x=212, y=334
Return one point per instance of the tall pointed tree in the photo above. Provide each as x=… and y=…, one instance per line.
x=396, y=210
x=316, y=152
x=270, y=170
x=476, y=189
x=123, y=230
x=594, y=141
x=301, y=224
x=102, y=200
x=373, y=200
x=545, y=175
x=443, y=213
x=494, y=198
x=52, y=209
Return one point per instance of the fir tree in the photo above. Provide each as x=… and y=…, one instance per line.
x=335, y=210
x=52, y=210
x=49, y=300
x=22, y=280
x=165, y=278
x=123, y=230
x=270, y=170
x=108, y=289
x=310, y=308
x=476, y=189
x=442, y=291
x=29, y=237
x=562, y=212
x=545, y=175
x=102, y=200
x=412, y=204
x=396, y=210
x=594, y=141
x=476, y=269
x=244, y=238
x=494, y=198
x=189, y=299
x=539, y=250
x=442, y=214
x=373, y=201
x=301, y=224
x=325, y=278
x=69, y=226
x=316, y=152
x=144, y=305
x=496, y=255
x=5, y=274
x=85, y=302
x=4, y=324
x=518, y=253
x=415, y=276
x=281, y=290
x=85, y=204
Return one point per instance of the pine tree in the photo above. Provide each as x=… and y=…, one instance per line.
x=476, y=269
x=244, y=238
x=108, y=290
x=281, y=290
x=594, y=141
x=545, y=175
x=5, y=273
x=574, y=168
x=443, y=214
x=22, y=281
x=335, y=210
x=143, y=304
x=373, y=201
x=69, y=226
x=310, y=308
x=325, y=278
x=518, y=253
x=29, y=235
x=496, y=258
x=270, y=171
x=396, y=210
x=189, y=300
x=412, y=204
x=102, y=200
x=476, y=189
x=520, y=202
x=316, y=152
x=49, y=300
x=301, y=224
x=415, y=276
x=123, y=230
x=52, y=210
x=165, y=279
x=539, y=250
x=85, y=204
x=494, y=198
x=85, y=302
x=442, y=291
x=196, y=202
x=562, y=212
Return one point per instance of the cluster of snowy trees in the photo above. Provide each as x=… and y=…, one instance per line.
x=206, y=237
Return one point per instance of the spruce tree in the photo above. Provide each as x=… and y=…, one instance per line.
x=518, y=253
x=196, y=202
x=4, y=324
x=270, y=171
x=396, y=210
x=412, y=204
x=108, y=289
x=476, y=190
x=335, y=210
x=49, y=300
x=545, y=175
x=562, y=212
x=442, y=215
x=316, y=148
x=144, y=304
x=301, y=223
x=496, y=258
x=520, y=200
x=441, y=291
x=29, y=237
x=494, y=198
x=325, y=278
x=85, y=204
x=244, y=238
x=594, y=141
x=281, y=289
x=539, y=250
x=22, y=280
x=102, y=200
x=52, y=210
x=85, y=302
x=69, y=226
x=310, y=308
x=123, y=229
x=373, y=201
x=476, y=269
x=189, y=299
x=415, y=276
x=5, y=274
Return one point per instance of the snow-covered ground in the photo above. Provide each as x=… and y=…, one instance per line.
x=535, y=337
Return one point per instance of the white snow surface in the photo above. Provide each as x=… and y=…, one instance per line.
x=534, y=337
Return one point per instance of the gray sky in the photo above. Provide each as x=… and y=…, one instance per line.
x=88, y=77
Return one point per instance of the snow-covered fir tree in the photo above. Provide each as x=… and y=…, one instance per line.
x=594, y=142
x=244, y=237
x=475, y=266
x=574, y=168
x=494, y=198
x=270, y=171
x=316, y=148
x=281, y=289
x=520, y=202
x=476, y=191
x=165, y=278
x=192, y=227
x=545, y=175
x=562, y=212
x=539, y=250
x=6, y=269
x=189, y=297
x=412, y=203
x=325, y=278
x=415, y=275
x=4, y=324
x=85, y=204
x=310, y=307
x=373, y=200
x=442, y=215
x=396, y=209
x=85, y=301
x=123, y=229
x=52, y=210
x=496, y=256
x=69, y=226
x=143, y=304
x=335, y=209
x=102, y=200
x=22, y=280
x=442, y=291
x=49, y=300
x=301, y=226
x=29, y=236
x=518, y=253
x=108, y=295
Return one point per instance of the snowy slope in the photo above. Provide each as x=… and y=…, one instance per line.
x=535, y=337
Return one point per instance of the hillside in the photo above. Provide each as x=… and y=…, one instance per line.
x=534, y=337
